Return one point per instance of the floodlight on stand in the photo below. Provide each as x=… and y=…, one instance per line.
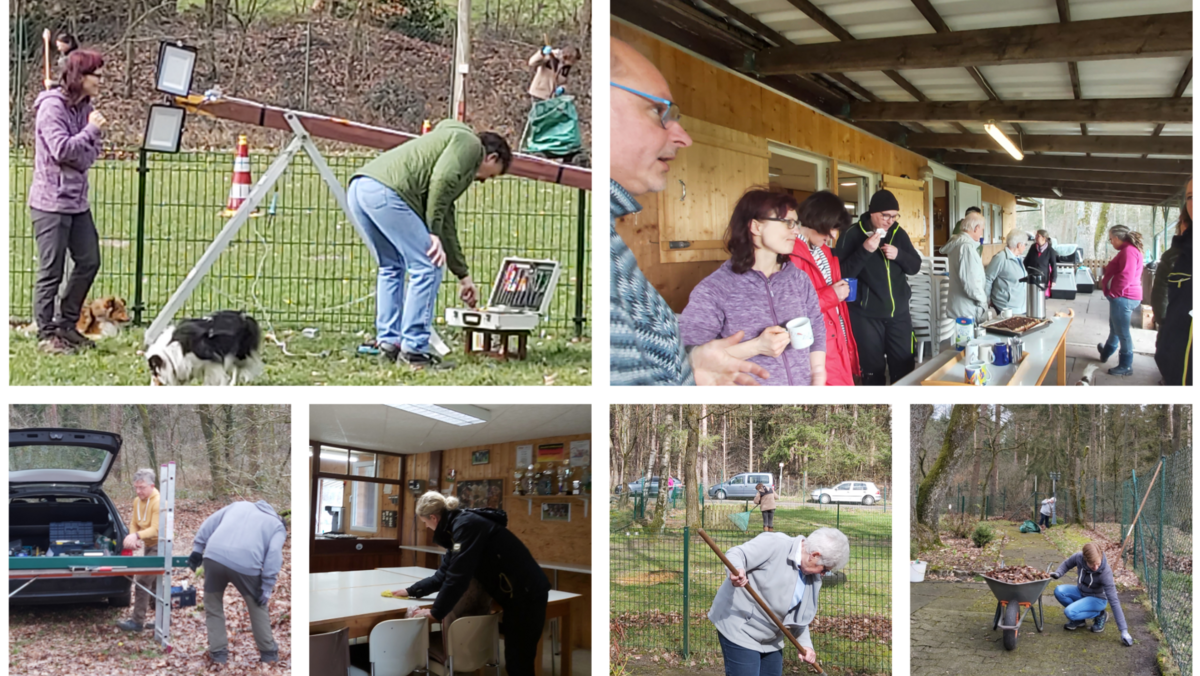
x=1056, y=191
x=164, y=129
x=996, y=133
x=176, y=63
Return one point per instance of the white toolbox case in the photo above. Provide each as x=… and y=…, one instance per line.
x=520, y=297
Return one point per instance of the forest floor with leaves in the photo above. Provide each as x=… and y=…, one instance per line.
x=84, y=639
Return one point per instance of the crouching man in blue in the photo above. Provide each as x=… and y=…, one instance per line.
x=786, y=572
x=1095, y=590
x=240, y=545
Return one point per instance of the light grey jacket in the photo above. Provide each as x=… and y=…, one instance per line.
x=1003, y=282
x=967, y=295
x=247, y=537
x=771, y=562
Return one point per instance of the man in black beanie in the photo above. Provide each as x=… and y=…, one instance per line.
x=878, y=252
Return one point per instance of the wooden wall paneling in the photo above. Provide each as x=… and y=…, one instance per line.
x=911, y=196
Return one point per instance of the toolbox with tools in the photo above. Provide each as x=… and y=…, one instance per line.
x=519, y=299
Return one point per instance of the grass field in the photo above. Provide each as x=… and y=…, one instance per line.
x=648, y=571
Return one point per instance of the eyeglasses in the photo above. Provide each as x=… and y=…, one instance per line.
x=791, y=223
x=670, y=113
x=890, y=219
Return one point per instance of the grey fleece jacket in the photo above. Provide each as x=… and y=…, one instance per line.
x=968, y=297
x=1097, y=583
x=247, y=537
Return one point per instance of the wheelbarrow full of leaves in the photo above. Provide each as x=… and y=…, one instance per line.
x=1016, y=589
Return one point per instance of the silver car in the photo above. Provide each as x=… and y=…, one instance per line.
x=740, y=486
x=863, y=492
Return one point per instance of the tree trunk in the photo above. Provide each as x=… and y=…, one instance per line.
x=148, y=435
x=216, y=455
x=962, y=422
x=664, y=469
x=690, y=478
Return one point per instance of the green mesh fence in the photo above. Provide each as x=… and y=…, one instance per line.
x=300, y=262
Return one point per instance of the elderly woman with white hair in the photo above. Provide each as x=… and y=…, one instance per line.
x=786, y=572
x=143, y=534
x=967, y=295
x=1002, y=283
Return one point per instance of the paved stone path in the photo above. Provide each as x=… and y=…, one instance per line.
x=952, y=628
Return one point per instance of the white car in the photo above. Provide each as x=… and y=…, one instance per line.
x=864, y=492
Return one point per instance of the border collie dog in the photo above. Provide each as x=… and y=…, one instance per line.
x=220, y=349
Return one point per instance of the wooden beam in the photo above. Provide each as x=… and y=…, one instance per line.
x=1184, y=81
x=1183, y=168
x=1095, y=40
x=1020, y=189
x=1082, y=185
x=1110, y=199
x=1058, y=110
x=1122, y=145
x=1072, y=175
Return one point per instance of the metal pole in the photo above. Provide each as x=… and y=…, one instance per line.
x=1133, y=524
x=307, y=59
x=580, y=265
x=140, y=253
x=1162, y=511
x=686, y=614
x=462, y=60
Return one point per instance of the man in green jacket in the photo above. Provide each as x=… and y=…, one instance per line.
x=403, y=206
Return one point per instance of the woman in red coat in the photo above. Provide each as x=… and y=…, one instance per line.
x=820, y=215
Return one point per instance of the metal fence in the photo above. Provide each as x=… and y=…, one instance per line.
x=663, y=585
x=1160, y=550
x=1102, y=503
x=300, y=262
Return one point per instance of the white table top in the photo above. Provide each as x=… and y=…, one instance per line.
x=357, y=578
x=1039, y=346
x=552, y=565
x=343, y=604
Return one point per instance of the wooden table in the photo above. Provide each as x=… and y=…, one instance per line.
x=1044, y=348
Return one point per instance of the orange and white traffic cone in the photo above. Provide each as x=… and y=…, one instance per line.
x=239, y=189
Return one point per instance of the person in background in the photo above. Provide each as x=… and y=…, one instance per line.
x=646, y=348
x=1041, y=257
x=64, y=43
x=1122, y=286
x=67, y=134
x=143, y=534
x=822, y=215
x=240, y=545
x=1002, y=283
x=968, y=294
x=878, y=252
x=758, y=291
x=764, y=497
x=1046, y=511
x=1173, y=346
x=1094, y=592
x=553, y=67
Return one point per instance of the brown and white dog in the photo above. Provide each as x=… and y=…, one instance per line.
x=103, y=317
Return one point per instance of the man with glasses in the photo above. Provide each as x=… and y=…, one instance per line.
x=646, y=134
x=877, y=252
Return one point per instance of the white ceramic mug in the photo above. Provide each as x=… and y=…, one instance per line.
x=977, y=351
x=1006, y=314
x=800, y=330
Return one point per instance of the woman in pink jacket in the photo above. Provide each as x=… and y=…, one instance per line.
x=1122, y=286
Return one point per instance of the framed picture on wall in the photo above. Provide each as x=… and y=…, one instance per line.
x=556, y=511
x=480, y=457
x=480, y=493
x=551, y=452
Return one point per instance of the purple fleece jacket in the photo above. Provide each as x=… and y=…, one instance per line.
x=67, y=145
x=725, y=302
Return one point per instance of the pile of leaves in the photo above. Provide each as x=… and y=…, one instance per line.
x=960, y=554
x=1017, y=574
x=648, y=618
x=855, y=627
x=84, y=638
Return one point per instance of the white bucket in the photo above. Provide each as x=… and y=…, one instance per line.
x=916, y=573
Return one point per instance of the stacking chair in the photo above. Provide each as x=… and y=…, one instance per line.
x=471, y=644
x=329, y=653
x=398, y=647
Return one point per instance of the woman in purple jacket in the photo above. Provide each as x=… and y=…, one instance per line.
x=757, y=291
x=1122, y=286
x=67, y=133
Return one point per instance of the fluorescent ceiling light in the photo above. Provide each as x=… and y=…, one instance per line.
x=458, y=414
x=1056, y=191
x=770, y=174
x=849, y=184
x=1003, y=140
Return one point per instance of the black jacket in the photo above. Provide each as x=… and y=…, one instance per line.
x=478, y=545
x=1046, y=262
x=883, y=290
x=1174, y=343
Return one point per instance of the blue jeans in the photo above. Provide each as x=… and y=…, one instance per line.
x=398, y=239
x=1076, y=606
x=1120, y=312
x=741, y=661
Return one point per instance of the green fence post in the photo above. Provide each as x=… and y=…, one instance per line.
x=839, y=516
x=140, y=250
x=686, y=617
x=1093, y=503
x=580, y=265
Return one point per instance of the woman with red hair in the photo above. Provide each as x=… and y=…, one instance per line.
x=67, y=135
x=820, y=215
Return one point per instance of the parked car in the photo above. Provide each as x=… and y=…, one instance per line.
x=55, y=475
x=740, y=486
x=635, y=487
x=849, y=491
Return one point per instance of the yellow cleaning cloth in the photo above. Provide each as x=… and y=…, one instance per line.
x=387, y=595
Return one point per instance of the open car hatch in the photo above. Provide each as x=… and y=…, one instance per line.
x=61, y=456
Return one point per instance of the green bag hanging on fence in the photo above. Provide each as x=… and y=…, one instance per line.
x=1030, y=527
x=553, y=127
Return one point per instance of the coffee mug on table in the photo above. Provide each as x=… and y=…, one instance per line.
x=977, y=351
x=1002, y=353
x=1006, y=314
x=976, y=373
x=853, y=290
x=800, y=329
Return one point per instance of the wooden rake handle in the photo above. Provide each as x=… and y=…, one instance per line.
x=758, y=599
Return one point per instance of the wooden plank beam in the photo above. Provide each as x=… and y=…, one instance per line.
x=1064, y=16
x=1019, y=189
x=1054, y=110
x=1051, y=175
x=1182, y=168
x=1102, y=198
x=1122, y=145
x=1094, y=40
x=1082, y=185
x=1184, y=81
